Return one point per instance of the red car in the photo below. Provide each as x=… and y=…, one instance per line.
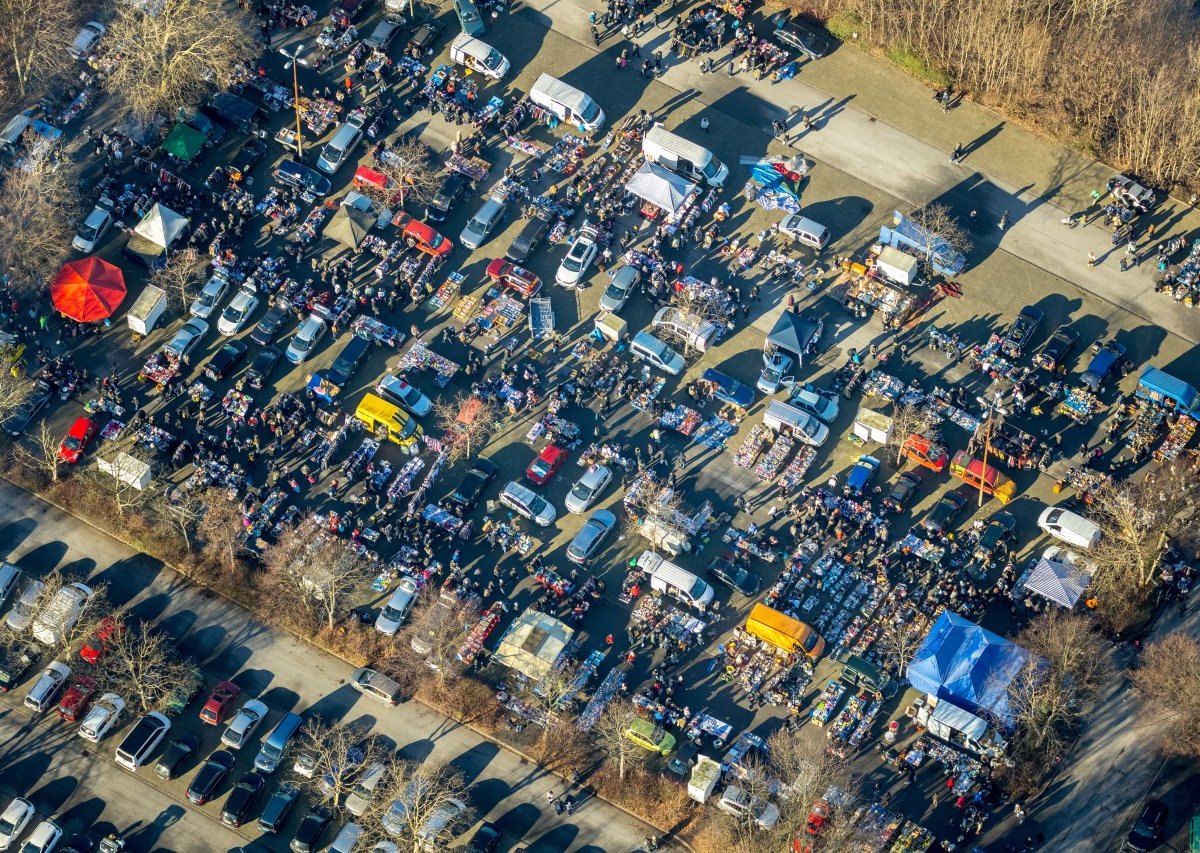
x=79, y=436
x=94, y=647
x=514, y=277
x=546, y=465
x=420, y=236
x=77, y=698
x=218, y=703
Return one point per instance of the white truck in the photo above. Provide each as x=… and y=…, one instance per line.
x=146, y=311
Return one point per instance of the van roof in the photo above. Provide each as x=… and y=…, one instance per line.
x=676, y=144
x=378, y=408
x=559, y=91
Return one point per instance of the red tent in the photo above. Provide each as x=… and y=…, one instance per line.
x=88, y=290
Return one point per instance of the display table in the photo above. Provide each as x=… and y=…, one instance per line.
x=781, y=448
x=681, y=419
x=421, y=357
x=747, y=453
x=1079, y=405
x=827, y=702
x=1177, y=439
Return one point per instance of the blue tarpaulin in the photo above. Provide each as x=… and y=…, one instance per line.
x=906, y=234
x=774, y=187
x=968, y=665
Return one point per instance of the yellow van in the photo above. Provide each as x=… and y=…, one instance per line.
x=784, y=632
x=389, y=422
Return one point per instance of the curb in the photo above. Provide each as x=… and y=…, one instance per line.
x=483, y=735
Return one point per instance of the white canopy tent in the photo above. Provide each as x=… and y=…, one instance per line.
x=532, y=644
x=1057, y=577
x=161, y=226
x=661, y=187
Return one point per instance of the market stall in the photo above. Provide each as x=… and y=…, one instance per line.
x=421, y=357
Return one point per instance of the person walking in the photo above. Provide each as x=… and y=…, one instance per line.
x=1091, y=259
x=1019, y=813
x=957, y=153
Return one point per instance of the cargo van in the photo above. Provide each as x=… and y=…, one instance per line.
x=781, y=417
x=338, y=149
x=566, y=103
x=479, y=56
x=668, y=578
x=978, y=475
x=274, y=745
x=389, y=422
x=784, y=632
x=1070, y=527
x=683, y=157
x=806, y=231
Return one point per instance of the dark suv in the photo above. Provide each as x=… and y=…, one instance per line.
x=531, y=235
x=448, y=195
x=1110, y=362
x=467, y=495
x=348, y=360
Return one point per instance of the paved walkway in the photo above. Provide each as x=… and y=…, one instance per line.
x=878, y=124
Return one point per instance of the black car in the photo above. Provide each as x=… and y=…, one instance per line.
x=531, y=235
x=79, y=844
x=734, y=575
x=424, y=38
x=1148, y=830
x=1053, y=356
x=485, y=840
x=210, y=777
x=278, y=807
x=938, y=519
x=1021, y=332
x=471, y=487
x=226, y=360
x=262, y=367
x=180, y=750
x=25, y=414
x=242, y=799
x=993, y=542
x=308, y=834
x=448, y=195
x=268, y=327
x=293, y=174
x=797, y=35
x=678, y=768
x=249, y=155
x=902, y=492
x=348, y=360
x=15, y=661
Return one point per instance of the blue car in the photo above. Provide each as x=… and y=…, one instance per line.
x=861, y=474
x=728, y=390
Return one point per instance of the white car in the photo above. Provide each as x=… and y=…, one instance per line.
x=396, y=390
x=588, y=488
x=237, y=734
x=393, y=613
x=694, y=332
x=238, y=311
x=819, y=404
x=745, y=806
x=24, y=607
x=1069, y=527
x=43, y=839
x=103, y=716
x=85, y=43
x=14, y=820
x=58, y=617
x=579, y=258
x=528, y=503
x=187, y=338
x=93, y=229
x=649, y=348
x=624, y=281
x=212, y=293
x=305, y=341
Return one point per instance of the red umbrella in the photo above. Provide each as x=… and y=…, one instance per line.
x=88, y=290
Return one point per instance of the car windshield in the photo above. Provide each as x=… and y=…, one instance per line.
x=538, y=505
x=71, y=443
x=810, y=643
x=435, y=240
x=581, y=490
x=232, y=314
x=698, y=589
x=540, y=467
x=309, y=179
x=809, y=427
x=493, y=60
x=614, y=291
x=391, y=614
x=207, y=297
x=591, y=112
x=87, y=232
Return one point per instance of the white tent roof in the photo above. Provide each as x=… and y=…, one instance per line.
x=161, y=226
x=533, y=643
x=662, y=188
x=1058, y=580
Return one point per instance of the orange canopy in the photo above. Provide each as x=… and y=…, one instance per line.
x=88, y=290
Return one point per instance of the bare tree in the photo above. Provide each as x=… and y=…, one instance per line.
x=316, y=572
x=175, y=54
x=34, y=49
x=940, y=225
x=70, y=629
x=897, y=641
x=654, y=510
x=1168, y=682
x=413, y=795
x=551, y=695
x=38, y=452
x=610, y=738
x=142, y=664
x=334, y=750
x=184, y=508
x=181, y=278
x=695, y=308
x=442, y=633
x=412, y=170
x=221, y=533
x=466, y=421
x=15, y=387
x=804, y=768
x=908, y=420
x=38, y=205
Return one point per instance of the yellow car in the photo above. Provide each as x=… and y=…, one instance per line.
x=652, y=737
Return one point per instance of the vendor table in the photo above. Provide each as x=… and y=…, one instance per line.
x=714, y=432
x=781, y=448
x=792, y=477
x=1079, y=405
x=681, y=419
x=420, y=357
x=380, y=333
x=883, y=386
x=1177, y=440
x=445, y=520
x=847, y=721
x=718, y=730
x=913, y=838
x=447, y=292
x=604, y=694
x=474, y=168
x=827, y=702
x=745, y=455
x=487, y=623
x=922, y=548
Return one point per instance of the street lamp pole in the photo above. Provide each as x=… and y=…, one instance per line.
x=294, y=60
x=992, y=407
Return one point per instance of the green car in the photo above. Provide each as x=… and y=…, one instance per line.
x=652, y=737
x=184, y=692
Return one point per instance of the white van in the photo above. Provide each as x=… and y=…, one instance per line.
x=649, y=348
x=781, y=417
x=479, y=56
x=696, y=333
x=338, y=149
x=1069, y=527
x=566, y=103
x=683, y=156
x=804, y=230
x=668, y=578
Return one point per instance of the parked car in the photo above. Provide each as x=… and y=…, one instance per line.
x=485, y=840
x=648, y=735
x=278, y=807
x=1069, y=527
x=77, y=440
x=209, y=777
x=420, y=236
x=621, y=286
x=530, y=236
x=1109, y=363
x=484, y=223
x=312, y=827
x=1022, y=331
x=861, y=475
x=391, y=617
x=293, y=174
x=244, y=723
x=59, y=615
x=383, y=33
x=94, y=646
x=797, y=35
x=226, y=360
x=43, y=839
x=26, y=604
x=18, y=657
x=657, y=353
x=136, y=747
x=41, y=695
x=84, y=44
x=448, y=195
x=993, y=543
x=515, y=278
x=218, y=703
x=937, y=521
x=579, y=258
x=348, y=360
x=746, y=807
x=239, y=309
x=727, y=389
x=188, y=337
x=92, y=230
x=1053, y=356
x=176, y=755
x=425, y=37
x=822, y=405
x=588, y=488
x=268, y=327
x=735, y=575
x=470, y=488
x=590, y=538
x=77, y=699
x=375, y=685
x=184, y=692
x=902, y=492
x=1147, y=830
x=27, y=412
x=546, y=465
x=262, y=367
x=16, y=816
x=304, y=343
x=213, y=292
x=242, y=799
x=360, y=797
x=528, y=504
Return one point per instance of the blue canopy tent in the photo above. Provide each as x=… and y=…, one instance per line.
x=967, y=665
